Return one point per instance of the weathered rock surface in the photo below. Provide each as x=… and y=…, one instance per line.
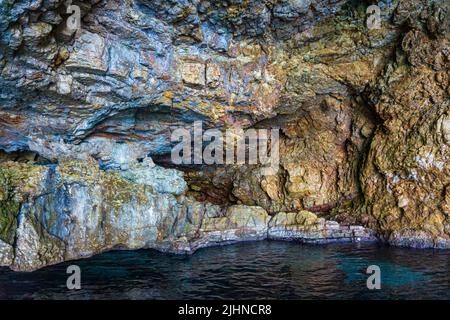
x=364, y=118
x=306, y=227
x=74, y=210
x=405, y=176
x=6, y=254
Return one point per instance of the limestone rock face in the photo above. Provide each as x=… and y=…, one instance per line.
x=406, y=173
x=87, y=114
x=74, y=210
x=306, y=227
x=6, y=254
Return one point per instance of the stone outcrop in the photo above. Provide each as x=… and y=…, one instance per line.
x=74, y=210
x=306, y=227
x=406, y=172
x=86, y=117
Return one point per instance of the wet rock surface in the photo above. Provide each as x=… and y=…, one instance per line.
x=85, y=114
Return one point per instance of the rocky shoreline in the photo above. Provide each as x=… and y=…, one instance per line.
x=75, y=210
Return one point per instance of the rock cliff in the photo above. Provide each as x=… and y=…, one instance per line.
x=87, y=114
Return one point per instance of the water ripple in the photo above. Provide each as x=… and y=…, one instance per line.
x=258, y=270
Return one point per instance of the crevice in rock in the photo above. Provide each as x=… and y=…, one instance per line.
x=25, y=157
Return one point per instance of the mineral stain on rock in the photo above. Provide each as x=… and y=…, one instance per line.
x=363, y=115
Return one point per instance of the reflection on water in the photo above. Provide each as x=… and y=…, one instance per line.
x=257, y=270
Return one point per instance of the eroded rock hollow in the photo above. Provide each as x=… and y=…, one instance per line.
x=88, y=108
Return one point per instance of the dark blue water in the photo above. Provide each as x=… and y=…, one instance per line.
x=257, y=270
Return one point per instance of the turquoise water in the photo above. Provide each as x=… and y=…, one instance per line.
x=256, y=270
